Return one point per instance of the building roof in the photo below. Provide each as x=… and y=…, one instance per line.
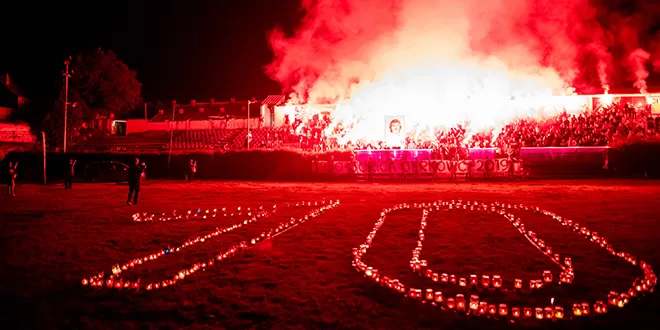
x=7, y=82
x=274, y=100
x=206, y=110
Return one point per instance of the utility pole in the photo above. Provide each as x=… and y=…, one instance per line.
x=169, y=156
x=43, y=139
x=66, y=97
x=249, y=135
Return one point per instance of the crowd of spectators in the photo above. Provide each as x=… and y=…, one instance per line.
x=600, y=127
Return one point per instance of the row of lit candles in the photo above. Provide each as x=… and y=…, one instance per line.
x=191, y=215
x=640, y=286
x=114, y=280
x=208, y=213
x=421, y=266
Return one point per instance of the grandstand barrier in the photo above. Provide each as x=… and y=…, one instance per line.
x=238, y=165
x=639, y=159
x=554, y=162
x=422, y=169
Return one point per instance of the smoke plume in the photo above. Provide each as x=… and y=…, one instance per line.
x=637, y=62
x=344, y=46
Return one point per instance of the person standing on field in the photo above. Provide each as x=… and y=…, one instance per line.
x=11, y=178
x=68, y=179
x=135, y=181
x=192, y=169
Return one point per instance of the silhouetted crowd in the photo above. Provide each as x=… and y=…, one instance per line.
x=601, y=127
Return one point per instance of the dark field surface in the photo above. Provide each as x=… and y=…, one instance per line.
x=52, y=238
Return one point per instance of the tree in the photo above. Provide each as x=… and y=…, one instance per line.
x=53, y=125
x=100, y=85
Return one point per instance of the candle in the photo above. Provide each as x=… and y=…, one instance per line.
x=527, y=312
x=438, y=296
x=485, y=281
x=549, y=312
x=559, y=312
x=547, y=276
x=585, y=308
x=503, y=310
x=492, y=310
x=613, y=298
x=429, y=294
x=474, y=302
x=452, y=279
x=538, y=312
x=518, y=283
x=515, y=311
x=600, y=307
x=473, y=280
x=483, y=307
x=497, y=281
x=450, y=303
x=411, y=292
x=577, y=309
x=444, y=278
x=462, y=282
x=460, y=302
x=435, y=277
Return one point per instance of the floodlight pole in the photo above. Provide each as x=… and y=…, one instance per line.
x=169, y=154
x=249, y=136
x=66, y=97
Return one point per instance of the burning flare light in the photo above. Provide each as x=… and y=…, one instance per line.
x=438, y=62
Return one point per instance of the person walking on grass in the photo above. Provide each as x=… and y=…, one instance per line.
x=135, y=181
x=68, y=179
x=192, y=169
x=11, y=178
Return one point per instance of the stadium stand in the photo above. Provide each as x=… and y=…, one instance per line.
x=150, y=141
x=205, y=139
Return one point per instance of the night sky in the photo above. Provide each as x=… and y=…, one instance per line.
x=181, y=50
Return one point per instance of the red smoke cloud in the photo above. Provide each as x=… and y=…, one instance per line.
x=341, y=44
x=442, y=62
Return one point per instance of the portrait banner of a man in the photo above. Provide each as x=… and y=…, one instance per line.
x=394, y=130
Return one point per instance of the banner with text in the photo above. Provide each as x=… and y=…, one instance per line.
x=422, y=168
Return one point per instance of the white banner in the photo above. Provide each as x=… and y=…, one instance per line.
x=395, y=133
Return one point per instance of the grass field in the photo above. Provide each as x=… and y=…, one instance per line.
x=51, y=238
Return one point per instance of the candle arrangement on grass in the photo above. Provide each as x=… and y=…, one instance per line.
x=475, y=305
x=115, y=281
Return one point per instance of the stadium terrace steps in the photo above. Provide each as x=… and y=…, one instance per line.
x=185, y=140
x=148, y=141
x=204, y=139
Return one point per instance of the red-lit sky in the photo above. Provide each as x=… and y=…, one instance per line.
x=201, y=49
